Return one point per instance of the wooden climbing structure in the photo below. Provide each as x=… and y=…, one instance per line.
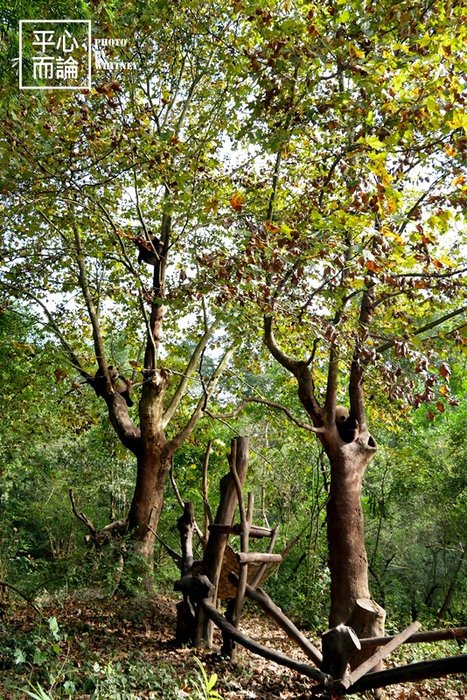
x=346, y=663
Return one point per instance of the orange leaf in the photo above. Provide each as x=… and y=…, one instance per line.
x=271, y=227
x=373, y=267
x=236, y=201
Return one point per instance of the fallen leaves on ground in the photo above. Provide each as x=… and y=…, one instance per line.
x=112, y=630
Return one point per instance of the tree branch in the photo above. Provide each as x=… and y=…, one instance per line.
x=271, y=404
x=198, y=412
x=426, y=327
x=357, y=369
x=300, y=370
x=188, y=374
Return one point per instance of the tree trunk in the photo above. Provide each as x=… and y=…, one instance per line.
x=348, y=562
x=148, y=497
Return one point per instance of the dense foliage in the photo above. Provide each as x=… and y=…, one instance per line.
x=300, y=162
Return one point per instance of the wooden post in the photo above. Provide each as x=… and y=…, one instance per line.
x=214, y=552
x=339, y=643
x=207, y=513
x=186, y=613
x=234, y=609
x=259, y=574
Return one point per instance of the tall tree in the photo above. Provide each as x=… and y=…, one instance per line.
x=103, y=192
x=351, y=246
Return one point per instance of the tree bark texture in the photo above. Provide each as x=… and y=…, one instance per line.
x=345, y=530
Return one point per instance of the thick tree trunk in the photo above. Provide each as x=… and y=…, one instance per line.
x=146, y=506
x=348, y=562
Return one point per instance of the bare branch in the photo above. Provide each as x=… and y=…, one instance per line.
x=271, y=404
x=198, y=412
x=181, y=501
x=426, y=327
x=189, y=372
x=81, y=516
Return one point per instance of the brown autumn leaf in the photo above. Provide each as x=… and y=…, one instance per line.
x=271, y=228
x=59, y=374
x=445, y=371
x=236, y=201
x=440, y=406
x=373, y=267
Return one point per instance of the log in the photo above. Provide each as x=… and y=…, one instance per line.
x=215, y=548
x=430, y=636
x=255, y=531
x=419, y=671
x=255, y=557
x=276, y=656
x=339, y=643
x=381, y=653
x=271, y=609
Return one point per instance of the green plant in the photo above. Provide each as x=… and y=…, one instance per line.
x=37, y=692
x=204, y=686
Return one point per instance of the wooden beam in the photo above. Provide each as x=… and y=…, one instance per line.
x=382, y=652
x=430, y=636
x=411, y=673
x=255, y=531
x=276, y=656
x=252, y=557
x=271, y=609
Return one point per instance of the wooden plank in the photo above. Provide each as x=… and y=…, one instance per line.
x=252, y=557
x=411, y=673
x=430, y=636
x=381, y=653
x=276, y=656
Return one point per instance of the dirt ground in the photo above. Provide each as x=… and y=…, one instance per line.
x=111, y=631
